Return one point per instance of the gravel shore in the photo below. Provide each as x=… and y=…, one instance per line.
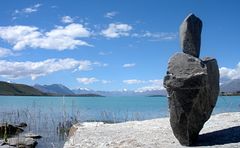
x=221, y=130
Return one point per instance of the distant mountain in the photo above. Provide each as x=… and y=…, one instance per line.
x=154, y=93
x=58, y=89
x=120, y=93
x=85, y=95
x=82, y=91
x=12, y=89
x=157, y=96
x=231, y=86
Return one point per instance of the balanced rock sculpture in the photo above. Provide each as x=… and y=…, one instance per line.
x=192, y=84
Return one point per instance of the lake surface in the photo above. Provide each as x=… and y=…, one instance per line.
x=47, y=115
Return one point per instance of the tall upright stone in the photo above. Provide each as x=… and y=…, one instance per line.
x=192, y=84
x=190, y=35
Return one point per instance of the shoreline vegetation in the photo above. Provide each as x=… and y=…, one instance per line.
x=53, y=128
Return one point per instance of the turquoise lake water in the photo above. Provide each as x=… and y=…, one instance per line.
x=44, y=115
x=93, y=108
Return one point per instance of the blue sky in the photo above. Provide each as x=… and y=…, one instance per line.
x=110, y=45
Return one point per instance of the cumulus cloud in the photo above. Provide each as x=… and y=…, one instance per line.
x=133, y=81
x=116, y=30
x=59, y=38
x=157, y=36
x=129, y=65
x=152, y=85
x=15, y=70
x=4, y=52
x=85, y=80
x=230, y=73
x=110, y=14
x=67, y=19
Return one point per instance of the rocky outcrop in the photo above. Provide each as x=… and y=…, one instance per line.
x=9, y=130
x=8, y=133
x=21, y=142
x=32, y=135
x=21, y=125
x=192, y=84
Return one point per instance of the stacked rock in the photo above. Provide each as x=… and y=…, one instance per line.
x=192, y=84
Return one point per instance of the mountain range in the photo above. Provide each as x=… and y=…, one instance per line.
x=60, y=89
x=121, y=93
x=12, y=89
x=6, y=88
x=57, y=89
x=231, y=86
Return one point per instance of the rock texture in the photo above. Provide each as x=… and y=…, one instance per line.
x=192, y=84
x=32, y=135
x=10, y=136
x=190, y=35
x=9, y=129
x=22, y=142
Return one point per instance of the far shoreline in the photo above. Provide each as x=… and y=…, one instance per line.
x=96, y=95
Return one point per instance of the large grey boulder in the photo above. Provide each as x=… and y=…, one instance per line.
x=193, y=86
x=190, y=35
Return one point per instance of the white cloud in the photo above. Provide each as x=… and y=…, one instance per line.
x=28, y=10
x=4, y=52
x=116, y=30
x=86, y=81
x=85, y=65
x=157, y=36
x=106, y=81
x=129, y=65
x=101, y=64
x=133, y=81
x=110, y=14
x=230, y=73
x=102, y=53
x=32, y=9
x=156, y=82
x=67, y=19
x=59, y=38
x=15, y=70
x=152, y=85
x=71, y=30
